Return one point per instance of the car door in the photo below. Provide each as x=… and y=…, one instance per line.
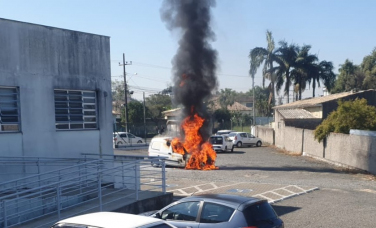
x=182, y=215
x=132, y=138
x=244, y=138
x=228, y=142
x=215, y=215
x=252, y=139
x=124, y=138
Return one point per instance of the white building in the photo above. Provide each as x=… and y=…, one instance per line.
x=55, y=91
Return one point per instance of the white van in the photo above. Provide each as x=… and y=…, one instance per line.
x=161, y=147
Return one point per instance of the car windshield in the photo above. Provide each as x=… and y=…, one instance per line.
x=231, y=134
x=216, y=140
x=261, y=212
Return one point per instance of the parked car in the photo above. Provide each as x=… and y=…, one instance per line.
x=125, y=138
x=221, y=143
x=224, y=132
x=160, y=146
x=220, y=210
x=244, y=139
x=111, y=220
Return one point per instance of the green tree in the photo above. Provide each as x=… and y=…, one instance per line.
x=305, y=68
x=350, y=77
x=261, y=102
x=158, y=103
x=368, y=67
x=226, y=98
x=136, y=112
x=286, y=56
x=349, y=115
x=325, y=73
x=267, y=55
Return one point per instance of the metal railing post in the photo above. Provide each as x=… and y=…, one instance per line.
x=58, y=199
x=137, y=178
x=163, y=177
x=5, y=214
x=100, y=191
x=122, y=172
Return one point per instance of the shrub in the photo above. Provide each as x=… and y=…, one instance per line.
x=349, y=115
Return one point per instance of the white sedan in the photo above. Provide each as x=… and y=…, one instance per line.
x=125, y=138
x=111, y=220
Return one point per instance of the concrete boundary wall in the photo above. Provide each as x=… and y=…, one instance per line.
x=266, y=134
x=352, y=150
x=312, y=146
x=293, y=140
x=355, y=151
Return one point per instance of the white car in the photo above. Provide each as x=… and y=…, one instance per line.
x=111, y=220
x=241, y=139
x=221, y=143
x=125, y=138
x=224, y=132
x=160, y=146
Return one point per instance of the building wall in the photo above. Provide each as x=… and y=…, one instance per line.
x=38, y=59
x=315, y=111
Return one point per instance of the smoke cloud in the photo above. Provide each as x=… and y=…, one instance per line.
x=194, y=64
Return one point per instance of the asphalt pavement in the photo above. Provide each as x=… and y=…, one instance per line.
x=330, y=196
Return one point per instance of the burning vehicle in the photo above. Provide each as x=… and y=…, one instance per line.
x=194, y=78
x=191, y=152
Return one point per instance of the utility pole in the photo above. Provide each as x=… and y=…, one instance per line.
x=125, y=91
x=143, y=93
x=253, y=108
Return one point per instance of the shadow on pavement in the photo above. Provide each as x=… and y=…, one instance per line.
x=282, y=210
x=284, y=168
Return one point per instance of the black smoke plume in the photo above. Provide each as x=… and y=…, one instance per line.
x=194, y=64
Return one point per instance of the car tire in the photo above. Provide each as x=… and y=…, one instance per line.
x=232, y=149
x=139, y=141
x=225, y=149
x=259, y=143
x=239, y=144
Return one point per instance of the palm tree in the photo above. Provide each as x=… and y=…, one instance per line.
x=305, y=68
x=286, y=56
x=325, y=72
x=259, y=55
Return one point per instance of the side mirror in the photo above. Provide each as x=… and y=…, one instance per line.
x=158, y=215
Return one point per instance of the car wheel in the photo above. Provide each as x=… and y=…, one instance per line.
x=225, y=149
x=258, y=144
x=139, y=141
x=239, y=144
x=232, y=149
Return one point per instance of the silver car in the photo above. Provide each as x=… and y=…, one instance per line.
x=241, y=139
x=220, y=210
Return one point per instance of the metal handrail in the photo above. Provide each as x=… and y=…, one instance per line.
x=24, y=180
x=94, y=187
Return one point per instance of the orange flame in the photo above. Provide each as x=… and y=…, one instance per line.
x=202, y=155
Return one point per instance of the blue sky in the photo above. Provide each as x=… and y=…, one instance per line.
x=337, y=30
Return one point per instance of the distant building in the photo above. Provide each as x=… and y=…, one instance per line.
x=55, y=91
x=309, y=113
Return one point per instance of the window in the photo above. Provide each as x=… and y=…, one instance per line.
x=259, y=212
x=9, y=109
x=186, y=211
x=216, y=213
x=75, y=109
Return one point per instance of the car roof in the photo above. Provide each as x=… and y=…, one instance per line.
x=225, y=130
x=111, y=220
x=234, y=201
